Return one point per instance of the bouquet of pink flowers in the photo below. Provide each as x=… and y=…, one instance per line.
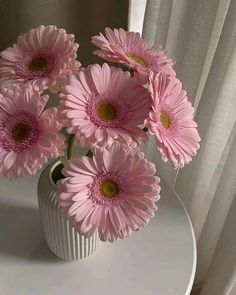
x=108, y=109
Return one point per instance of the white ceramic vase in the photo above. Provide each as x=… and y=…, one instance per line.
x=59, y=234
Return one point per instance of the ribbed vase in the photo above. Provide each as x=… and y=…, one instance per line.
x=59, y=234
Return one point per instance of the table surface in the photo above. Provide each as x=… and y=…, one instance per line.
x=159, y=260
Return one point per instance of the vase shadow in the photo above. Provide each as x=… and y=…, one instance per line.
x=21, y=234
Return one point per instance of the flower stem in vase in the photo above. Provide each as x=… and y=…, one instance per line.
x=70, y=146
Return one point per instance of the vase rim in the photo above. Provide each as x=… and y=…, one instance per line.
x=53, y=166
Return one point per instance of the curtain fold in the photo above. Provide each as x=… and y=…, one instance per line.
x=215, y=116
x=201, y=36
x=157, y=21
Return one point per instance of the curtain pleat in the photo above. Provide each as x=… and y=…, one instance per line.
x=215, y=117
x=222, y=200
x=201, y=36
x=157, y=21
x=221, y=276
x=191, y=28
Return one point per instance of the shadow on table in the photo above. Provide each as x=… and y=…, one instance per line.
x=21, y=234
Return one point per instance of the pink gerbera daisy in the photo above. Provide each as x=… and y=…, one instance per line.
x=103, y=104
x=43, y=57
x=130, y=49
x=28, y=136
x=100, y=194
x=171, y=120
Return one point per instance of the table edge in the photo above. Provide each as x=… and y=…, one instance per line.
x=191, y=281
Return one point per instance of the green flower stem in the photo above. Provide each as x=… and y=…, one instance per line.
x=70, y=146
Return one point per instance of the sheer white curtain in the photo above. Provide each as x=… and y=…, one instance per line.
x=201, y=36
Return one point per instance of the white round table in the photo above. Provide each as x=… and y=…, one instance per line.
x=159, y=260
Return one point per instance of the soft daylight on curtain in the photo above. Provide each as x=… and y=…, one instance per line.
x=201, y=36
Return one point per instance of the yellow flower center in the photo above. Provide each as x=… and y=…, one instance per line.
x=106, y=111
x=108, y=189
x=139, y=60
x=37, y=64
x=21, y=131
x=165, y=120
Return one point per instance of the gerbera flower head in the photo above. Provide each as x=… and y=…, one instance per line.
x=43, y=57
x=100, y=194
x=28, y=136
x=171, y=120
x=103, y=104
x=130, y=49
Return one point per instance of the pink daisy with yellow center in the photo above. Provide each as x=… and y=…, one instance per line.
x=103, y=104
x=43, y=57
x=130, y=49
x=28, y=136
x=171, y=120
x=99, y=194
